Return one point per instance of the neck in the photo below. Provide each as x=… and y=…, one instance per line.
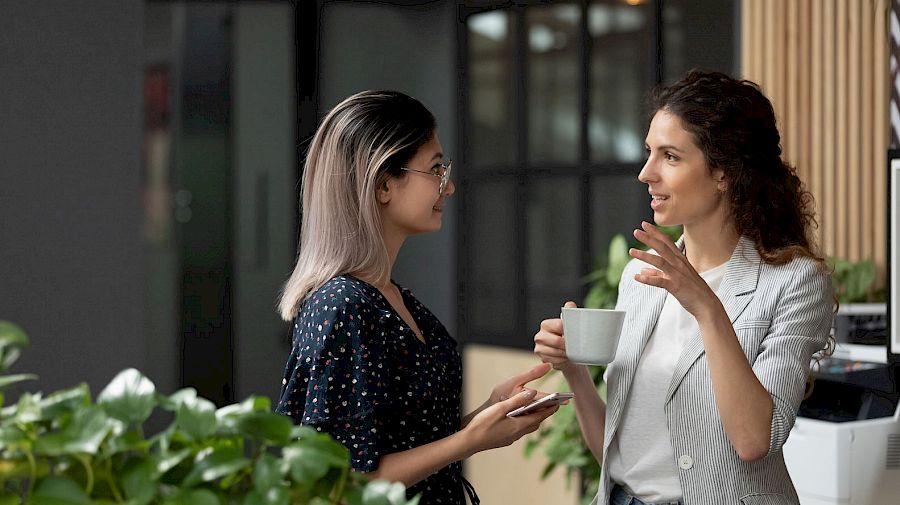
x=709, y=245
x=393, y=241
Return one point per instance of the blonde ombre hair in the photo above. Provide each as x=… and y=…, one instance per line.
x=360, y=144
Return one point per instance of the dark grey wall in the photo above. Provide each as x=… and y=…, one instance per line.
x=70, y=210
x=413, y=50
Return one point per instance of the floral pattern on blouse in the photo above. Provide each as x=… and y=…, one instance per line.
x=359, y=373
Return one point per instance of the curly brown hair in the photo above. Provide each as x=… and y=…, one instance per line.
x=733, y=123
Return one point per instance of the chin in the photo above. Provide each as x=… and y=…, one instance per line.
x=662, y=220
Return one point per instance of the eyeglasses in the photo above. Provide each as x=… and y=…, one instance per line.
x=442, y=171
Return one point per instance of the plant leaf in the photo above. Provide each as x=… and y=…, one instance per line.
x=130, y=397
x=267, y=473
x=139, y=481
x=212, y=464
x=382, y=492
x=55, y=490
x=12, y=340
x=196, y=417
x=618, y=259
x=175, y=400
x=6, y=380
x=67, y=400
x=83, y=434
x=267, y=426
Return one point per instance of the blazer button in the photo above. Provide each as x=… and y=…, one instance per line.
x=685, y=462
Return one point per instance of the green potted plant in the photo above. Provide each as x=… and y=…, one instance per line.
x=854, y=282
x=65, y=449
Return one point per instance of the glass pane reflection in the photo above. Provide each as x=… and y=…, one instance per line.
x=491, y=124
x=554, y=72
x=554, y=265
x=621, y=73
x=491, y=278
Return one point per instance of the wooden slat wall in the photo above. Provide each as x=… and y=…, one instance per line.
x=824, y=65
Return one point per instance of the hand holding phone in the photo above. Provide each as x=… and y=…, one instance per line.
x=541, y=403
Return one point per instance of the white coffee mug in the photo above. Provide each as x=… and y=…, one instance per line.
x=592, y=335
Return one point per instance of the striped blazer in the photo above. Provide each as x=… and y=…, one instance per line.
x=782, y=315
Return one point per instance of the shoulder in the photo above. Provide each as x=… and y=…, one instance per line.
x=340, y=295
x=801, y=271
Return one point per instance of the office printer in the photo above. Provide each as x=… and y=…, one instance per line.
x=844, y=448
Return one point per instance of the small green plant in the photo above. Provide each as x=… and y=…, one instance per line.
x=853, y=282
x=65, y=449
x=561, y=436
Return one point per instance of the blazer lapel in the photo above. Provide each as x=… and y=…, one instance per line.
x=735, y=292
x=639, y=326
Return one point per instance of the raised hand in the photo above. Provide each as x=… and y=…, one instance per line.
x=673, y=272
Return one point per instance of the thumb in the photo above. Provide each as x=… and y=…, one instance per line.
x=519, y=400
x=570, y=304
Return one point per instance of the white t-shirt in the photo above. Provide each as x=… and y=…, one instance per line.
x=641, y=457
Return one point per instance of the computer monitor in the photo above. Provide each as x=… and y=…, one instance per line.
x=893, y=258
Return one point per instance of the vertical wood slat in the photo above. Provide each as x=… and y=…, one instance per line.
x=870, y=197
x=829, y=202
x=881, y=123
x=824, y=65
x=817, y=132
x=853, y=235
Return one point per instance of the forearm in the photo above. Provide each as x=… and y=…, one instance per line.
x=589, y=408
x=744, y=405
x=414, y=465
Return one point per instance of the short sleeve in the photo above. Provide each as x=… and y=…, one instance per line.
x=338, y=373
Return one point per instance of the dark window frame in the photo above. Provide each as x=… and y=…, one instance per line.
x=524, y=173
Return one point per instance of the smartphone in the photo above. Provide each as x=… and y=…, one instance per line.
x=547, y=401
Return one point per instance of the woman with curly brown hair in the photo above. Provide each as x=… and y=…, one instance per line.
x=721, y=325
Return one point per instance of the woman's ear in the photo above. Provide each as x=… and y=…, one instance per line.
x=721, y=182
x=383, y=192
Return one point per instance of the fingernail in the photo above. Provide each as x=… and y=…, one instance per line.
x=529, y=393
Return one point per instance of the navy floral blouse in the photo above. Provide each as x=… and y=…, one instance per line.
x=358, y=372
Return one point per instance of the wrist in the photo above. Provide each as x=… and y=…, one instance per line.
x=711, y=313
x=463, y=443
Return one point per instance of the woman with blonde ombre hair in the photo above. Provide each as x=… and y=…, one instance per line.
x=370, y=365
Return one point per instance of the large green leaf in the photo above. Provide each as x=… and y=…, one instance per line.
x=196, y=417
x=55, y=490
x=139, y=481
x=212, y=464
x=267, y=426
x=12, y=340
x=268, y=473
x=175, y=400
x=229, y=416
x=67, y=400
x=130, y=397
x=83, y=434
x=310, y=458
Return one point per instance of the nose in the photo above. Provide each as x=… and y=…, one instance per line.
x=449, y=189
x=648, y=173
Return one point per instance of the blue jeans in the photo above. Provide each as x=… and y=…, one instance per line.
x=619, y=496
